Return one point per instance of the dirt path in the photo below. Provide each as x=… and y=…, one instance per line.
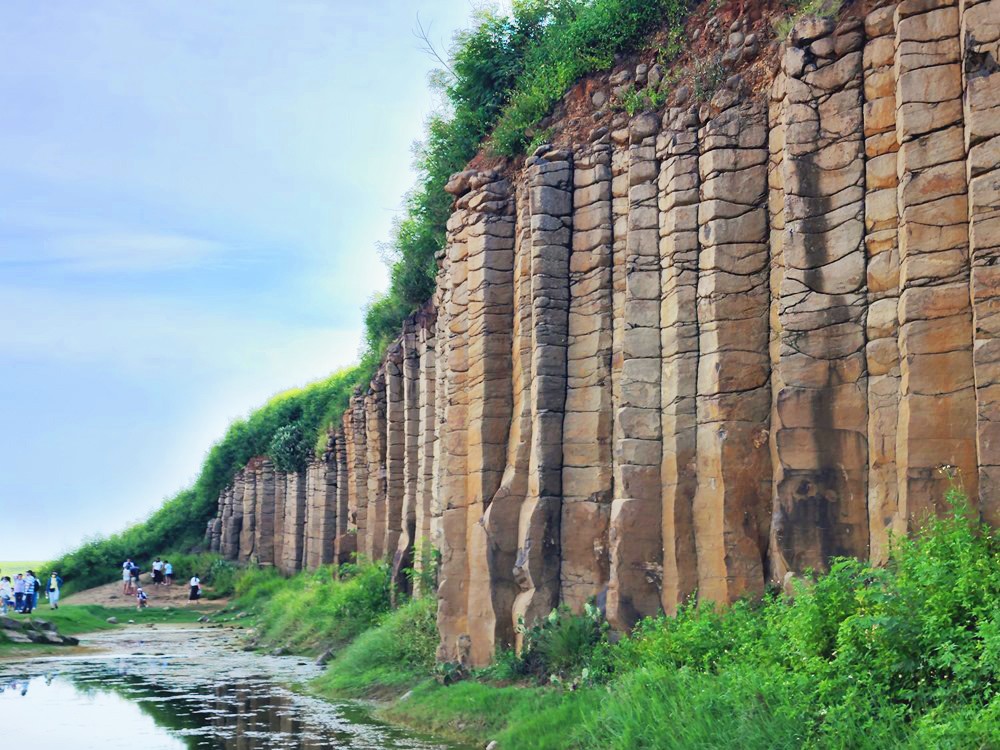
x=110, y=595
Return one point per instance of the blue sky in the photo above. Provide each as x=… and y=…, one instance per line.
x=191, y=198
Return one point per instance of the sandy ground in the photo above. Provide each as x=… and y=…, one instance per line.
x=110, y=595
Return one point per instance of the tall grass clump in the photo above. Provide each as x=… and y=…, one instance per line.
x=389, y=658
x=315, y=610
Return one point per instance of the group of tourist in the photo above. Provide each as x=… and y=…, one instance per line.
x=163, y=575
x=21, y=593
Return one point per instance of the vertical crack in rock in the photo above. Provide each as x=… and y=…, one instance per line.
x=820, y=420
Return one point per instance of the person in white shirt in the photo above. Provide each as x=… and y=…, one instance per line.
x=195, y=589
x=127, y=576
x=157, y=572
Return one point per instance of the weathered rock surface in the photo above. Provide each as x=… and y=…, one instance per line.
x=708, y=349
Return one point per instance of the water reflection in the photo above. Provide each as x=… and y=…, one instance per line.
x=203, y=695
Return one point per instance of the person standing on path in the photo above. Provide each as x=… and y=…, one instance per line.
x=157, y=572
x=134, y=570
x=195, y=593
x=19, y=592
x=55, y=583
x=127, y=576
x=30, y=584
x=37, y=590
x=168, y=572
x=6, y=594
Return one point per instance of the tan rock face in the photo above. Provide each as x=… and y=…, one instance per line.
x=711, y=348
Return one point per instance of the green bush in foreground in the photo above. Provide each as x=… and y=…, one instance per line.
x=863, y=657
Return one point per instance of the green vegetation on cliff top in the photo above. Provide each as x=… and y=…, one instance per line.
x=863, y=657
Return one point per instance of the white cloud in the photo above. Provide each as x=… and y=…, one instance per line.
x=117, y=251
x=144, y=334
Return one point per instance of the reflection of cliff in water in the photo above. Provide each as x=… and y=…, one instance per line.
x=186, y=690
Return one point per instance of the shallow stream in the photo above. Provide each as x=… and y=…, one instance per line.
x=167, y=688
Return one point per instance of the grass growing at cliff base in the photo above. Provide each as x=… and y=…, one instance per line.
x=313, y=611
x=906, y=656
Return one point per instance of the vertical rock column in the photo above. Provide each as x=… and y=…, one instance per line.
x=280, y=488
x=587, y=425
x=980, y=26
x=249, y=502
x=677, y=148
x=732, y=504
x=404, y=554
x=550, y=201
x=375, y=440
x=264, y=532
x=635, y=532
x=425, y=443
x=357, y=466
x=776, y=236
x=937, y=410
x=821, y=417
x=295, y=516
x=882, y=248
x=344, y=541
x=452, y=446
x=490, y=260
x=502, y=518
x=395, y=451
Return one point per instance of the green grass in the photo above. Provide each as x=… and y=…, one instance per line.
x=313, y=611
x=388, y=659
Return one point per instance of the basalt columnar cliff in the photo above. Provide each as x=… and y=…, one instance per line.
x=691, y=352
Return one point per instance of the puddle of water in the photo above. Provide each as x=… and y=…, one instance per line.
x=176, y=689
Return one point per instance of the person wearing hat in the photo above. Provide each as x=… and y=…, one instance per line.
x=55, y=583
